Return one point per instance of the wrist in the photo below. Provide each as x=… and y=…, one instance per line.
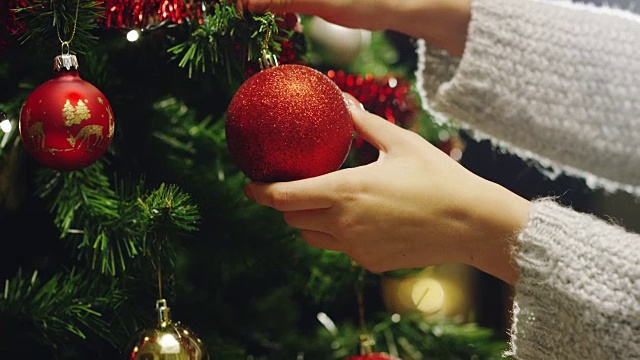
x=499, y=216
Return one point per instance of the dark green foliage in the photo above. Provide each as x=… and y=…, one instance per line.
x=109, y=229
x=227, y=40
x=59, y=310
x=50, y=22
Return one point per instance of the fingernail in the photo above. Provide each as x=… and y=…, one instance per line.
x=248, y=193
x=354, y=104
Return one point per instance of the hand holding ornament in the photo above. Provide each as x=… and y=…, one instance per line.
x=413, y=207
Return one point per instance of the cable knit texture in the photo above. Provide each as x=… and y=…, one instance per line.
x=557, y=83
x=579, y=291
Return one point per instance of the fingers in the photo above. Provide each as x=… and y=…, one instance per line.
x=318, y=192
x=306, y=194
x=320, y=240
x=308, y=220
x=375, y=130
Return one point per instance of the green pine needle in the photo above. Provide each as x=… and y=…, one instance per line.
x=46, y=18
x=412, y=337
x=225, y=41
x=167, y=206
x=110, y=227
x=55, y=311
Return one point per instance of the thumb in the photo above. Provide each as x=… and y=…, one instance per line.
x=372, y=128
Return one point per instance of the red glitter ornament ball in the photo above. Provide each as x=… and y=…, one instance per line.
x=288, y=122
x=66, y=123
x=373, y=356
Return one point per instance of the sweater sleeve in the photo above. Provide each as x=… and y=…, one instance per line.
x=579, y=291
x=554, y=82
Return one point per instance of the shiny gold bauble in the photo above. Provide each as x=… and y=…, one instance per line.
x=170, y=342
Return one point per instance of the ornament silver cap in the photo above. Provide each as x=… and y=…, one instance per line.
x=65, y=61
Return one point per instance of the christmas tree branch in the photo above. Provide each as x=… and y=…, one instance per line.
x=55, y=311
x=226, y=40
x=49, y=23
x=111, y=227
x=413, y=337
x=166, y=212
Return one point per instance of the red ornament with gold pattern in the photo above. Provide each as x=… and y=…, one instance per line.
x=66, y=123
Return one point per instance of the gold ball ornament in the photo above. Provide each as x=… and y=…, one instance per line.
x=167, y=340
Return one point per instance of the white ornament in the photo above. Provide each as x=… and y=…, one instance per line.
x=336, y=44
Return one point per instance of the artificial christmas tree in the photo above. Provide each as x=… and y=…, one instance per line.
x=167, y=194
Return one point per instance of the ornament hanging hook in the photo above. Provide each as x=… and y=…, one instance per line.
x=164, y=317
x=267, y=59
x=159, y=278
x=64, y=48
x=65, y=43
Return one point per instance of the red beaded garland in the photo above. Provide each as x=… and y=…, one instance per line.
x=288, y=122
x=137, y=13
x=388, y=97
x=66, y=123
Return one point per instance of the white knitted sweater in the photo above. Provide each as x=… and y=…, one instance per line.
x=557, y=83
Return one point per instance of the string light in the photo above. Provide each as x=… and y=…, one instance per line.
x=133, y=35
x=6, y=126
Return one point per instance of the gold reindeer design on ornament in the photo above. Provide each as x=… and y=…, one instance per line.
x=112, y=124
x=36, y=134
x=85, y=134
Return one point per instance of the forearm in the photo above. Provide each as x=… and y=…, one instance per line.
x=443, y=24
